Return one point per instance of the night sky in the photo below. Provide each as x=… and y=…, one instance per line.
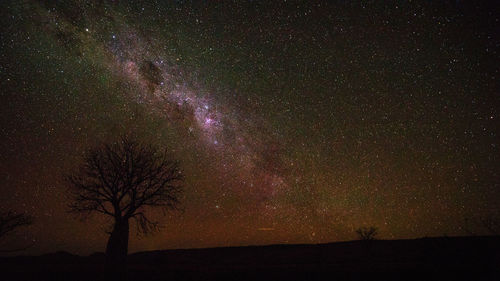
x=294, y=121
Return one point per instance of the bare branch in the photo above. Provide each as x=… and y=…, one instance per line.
x=123, y=179
x=10, y=221
x=144, y=225
x=366, y=233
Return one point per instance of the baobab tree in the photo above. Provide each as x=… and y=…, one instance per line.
x=123, y=180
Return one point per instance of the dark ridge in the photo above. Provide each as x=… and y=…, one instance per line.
x=439, y=258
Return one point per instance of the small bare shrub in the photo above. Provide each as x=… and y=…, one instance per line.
x=367, y=233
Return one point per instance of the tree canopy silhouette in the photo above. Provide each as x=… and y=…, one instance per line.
x=123, y=180
x=367, y=233
x=10, y=221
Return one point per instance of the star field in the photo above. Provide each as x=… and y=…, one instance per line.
x=294, y=122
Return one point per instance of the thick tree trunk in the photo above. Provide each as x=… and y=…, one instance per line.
x=117, y=247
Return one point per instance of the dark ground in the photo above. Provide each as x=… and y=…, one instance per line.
x=457, y=258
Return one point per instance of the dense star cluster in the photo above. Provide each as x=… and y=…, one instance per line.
x=294, y=121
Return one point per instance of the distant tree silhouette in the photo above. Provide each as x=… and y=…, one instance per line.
x=367, y=233
x=10, y=221
x=491, y=225
x=123, y=180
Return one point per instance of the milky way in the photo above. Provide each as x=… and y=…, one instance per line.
x=293, y=122
x=162, y=88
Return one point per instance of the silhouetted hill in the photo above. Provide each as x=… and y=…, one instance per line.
x=453, y=258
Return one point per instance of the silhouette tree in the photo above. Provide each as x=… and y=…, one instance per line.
x=367, y=233
x=10, y=221
x=122, y=180
x=491, y=225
